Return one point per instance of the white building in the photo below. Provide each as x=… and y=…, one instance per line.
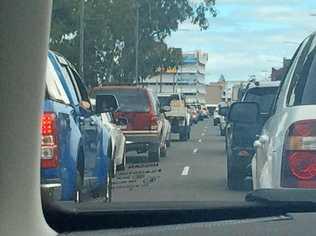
x=188, y=79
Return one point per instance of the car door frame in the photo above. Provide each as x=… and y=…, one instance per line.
x=269, y=145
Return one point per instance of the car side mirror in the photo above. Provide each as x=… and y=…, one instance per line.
x=165, y=109
x=223, y=111
x=244, y=112
x=106, y=103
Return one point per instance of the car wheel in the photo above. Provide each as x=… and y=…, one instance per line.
x=188, y=133
x=79, y=186
x=113, y=168
x=108, y=185
x=154, y=153
x=168, y=143
x=163, y=151
x=184, y=134
x=79, y=177
x=234, y=178
x=123, y=165
x=222, y=132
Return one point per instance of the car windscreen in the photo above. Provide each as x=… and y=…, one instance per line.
x=263, y=96
x=130, y=100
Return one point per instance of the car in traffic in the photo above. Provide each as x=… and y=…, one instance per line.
x=216, y=116
x=178, y=114
x=144, y=120
x=211, y=108
x=118, y=140
x=240, y=135
x=75, y=145
x=286, y=149
x=204, y=112
x=220, y=117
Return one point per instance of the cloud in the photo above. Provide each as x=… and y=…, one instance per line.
x=249, y=36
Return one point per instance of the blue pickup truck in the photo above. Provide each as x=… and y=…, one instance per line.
x=75, y=150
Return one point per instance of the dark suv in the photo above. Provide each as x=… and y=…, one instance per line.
x=241, y=136
x=139, y=110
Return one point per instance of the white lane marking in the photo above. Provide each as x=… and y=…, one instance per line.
x=203, y=134
x=185, y=170
x=200, y=140
x=195, y=150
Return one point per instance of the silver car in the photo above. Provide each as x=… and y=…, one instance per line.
x=286, y=149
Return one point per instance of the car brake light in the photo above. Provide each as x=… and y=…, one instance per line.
x=153, y=121
x=299, y=155
x=49, y=147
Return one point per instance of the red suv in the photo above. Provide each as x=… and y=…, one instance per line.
x=140, y=119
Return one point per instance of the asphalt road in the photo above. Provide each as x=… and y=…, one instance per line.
x=192, y=171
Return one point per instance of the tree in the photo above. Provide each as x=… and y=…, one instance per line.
x=110, y=34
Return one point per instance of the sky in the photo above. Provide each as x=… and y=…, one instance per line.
x=248, y=37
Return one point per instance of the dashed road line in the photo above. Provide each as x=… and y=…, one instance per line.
x=200, y=140
x=185, y=170
x=195, y=150
x=203, y=134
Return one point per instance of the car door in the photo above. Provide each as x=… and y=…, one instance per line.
x=119, y=138
x=91, y=129
x=271, y=138
x=161, y=119
x=87, y=123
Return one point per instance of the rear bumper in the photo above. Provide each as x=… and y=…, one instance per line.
x=51, y=190
x=178, y=124
x=141, y=139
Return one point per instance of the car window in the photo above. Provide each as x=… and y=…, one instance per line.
x=130, y=100
x=200, y=58
x=72, y=90
x=298, y=74
x=82, y=90
x=54, y=88
x=304, y=84
x=263, y=96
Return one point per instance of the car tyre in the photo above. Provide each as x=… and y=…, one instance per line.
x=184, y=134
x=108, y=185
x=79, y=187
x=154, y=153
x=222, y=132
x=168, y=143
x=163, y=151
x=123, y=165
x=234, y=179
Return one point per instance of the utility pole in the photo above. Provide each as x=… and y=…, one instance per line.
x=81, y=57
x=160, y=87
x=137, y=43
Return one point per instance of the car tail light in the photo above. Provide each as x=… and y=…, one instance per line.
x=299, y=155
x=49, y=147
x=153, y=121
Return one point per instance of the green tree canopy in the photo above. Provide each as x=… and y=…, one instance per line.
x=110, y=34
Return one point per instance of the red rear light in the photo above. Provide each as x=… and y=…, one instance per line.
x=299, y=155
x=49, y=147
x=153, y=121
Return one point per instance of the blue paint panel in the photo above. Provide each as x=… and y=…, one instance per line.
x=73, y=136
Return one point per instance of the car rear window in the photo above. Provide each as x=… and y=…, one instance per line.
x=165, y=100
x=130, y=100
x=263, y=96
x=304, y=82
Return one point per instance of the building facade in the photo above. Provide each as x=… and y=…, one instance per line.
x=188, y=79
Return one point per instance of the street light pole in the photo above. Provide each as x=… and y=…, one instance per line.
x=81, y=57
x=137, y=43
